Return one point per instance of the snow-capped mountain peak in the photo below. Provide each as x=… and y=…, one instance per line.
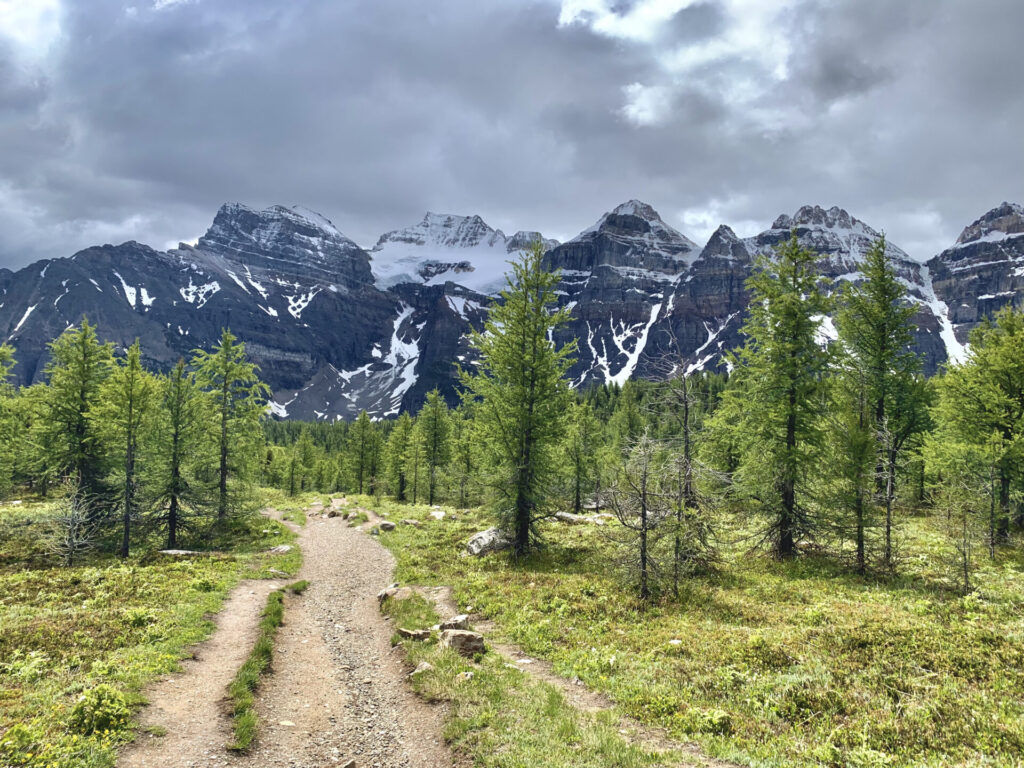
x=637, y=221
x=1003, y=221
x=448, y=248
x=816, y=217
x=445, y=230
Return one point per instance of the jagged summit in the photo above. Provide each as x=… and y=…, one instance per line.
x=288, y=240
x=637, y=221
x=444, y=230
x=523, y=239
x=816, y=217
x=449, y=248
x=1002, y=221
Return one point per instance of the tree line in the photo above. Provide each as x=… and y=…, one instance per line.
x=810, y=441
x=131, y=447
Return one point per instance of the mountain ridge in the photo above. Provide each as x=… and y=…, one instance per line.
x=338, y=328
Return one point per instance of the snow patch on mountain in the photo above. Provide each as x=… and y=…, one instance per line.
x=446, y=248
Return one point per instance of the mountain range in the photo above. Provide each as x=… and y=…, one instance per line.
x=337, y=328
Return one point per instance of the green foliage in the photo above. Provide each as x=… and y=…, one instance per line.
x=981, y=403
x=64, y=434
x=102, y=709
x=243, y=687
x=796, y=663
x=435, y=425
x=775, y=405
x=521, y=397
x=239, y=401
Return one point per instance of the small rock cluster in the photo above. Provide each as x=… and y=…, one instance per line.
x=453, y=632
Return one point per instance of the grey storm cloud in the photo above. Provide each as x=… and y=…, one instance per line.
x=137, y=120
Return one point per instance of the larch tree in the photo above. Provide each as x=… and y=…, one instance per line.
x=981, y=402
x=360, y=450
x=435, y=424
x=120, y=415
x=641, y=506
x=8, y=422
x=521, y=396
x=394, y=456
x=778, y=393
x=238, y=400
x=462, y=467
x=67, y=438
x=416, y=459
x=581, y=442
x=177, y=443
x=876, y=333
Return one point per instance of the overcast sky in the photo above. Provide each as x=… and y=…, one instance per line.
x=136, y=120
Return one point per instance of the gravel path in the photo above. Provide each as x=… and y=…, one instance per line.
x=189, y=704
x=337, y=692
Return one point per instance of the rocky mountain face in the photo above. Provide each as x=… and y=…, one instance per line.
x=981, y=273
x=337, y=329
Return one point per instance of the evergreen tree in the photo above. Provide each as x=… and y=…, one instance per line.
x=852, y=448
x=462, y=468
x=239, y=401
x=416, y=459
x=581, y=442
x=177, y=442
x=433, y=418
x=120, y=415
x=641, y=507
x=981, y=402
x=67, y=439
x=778, y=393
x=8, y=421
x=875, y=334
x=360, y=450
x=394, y=456
x=522, y=396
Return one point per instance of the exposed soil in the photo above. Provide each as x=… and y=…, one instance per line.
x=337, y=691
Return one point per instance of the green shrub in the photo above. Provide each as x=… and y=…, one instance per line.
x=104, y=708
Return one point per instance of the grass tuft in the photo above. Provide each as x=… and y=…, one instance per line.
x=242, y=689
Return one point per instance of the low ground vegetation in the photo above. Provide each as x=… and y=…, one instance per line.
x=79, y=644
x=800, y=662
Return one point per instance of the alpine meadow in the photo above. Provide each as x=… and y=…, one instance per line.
x=665, y=492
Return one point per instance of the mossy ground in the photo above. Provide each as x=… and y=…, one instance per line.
x=66, y=630
x=777, y=664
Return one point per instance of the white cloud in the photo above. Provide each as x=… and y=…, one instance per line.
x=641, y=23
x=32, y=25
x=647, y=104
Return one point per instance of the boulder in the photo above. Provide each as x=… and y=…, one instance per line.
x=394, y=592
x=332, y=512
x=571, y=519
x=414, y=634
x=280, y=549
x=387, y=525
x=462, y=641
x=455, y=622
x=491, y=540
x=413, y=523
x=437, y=514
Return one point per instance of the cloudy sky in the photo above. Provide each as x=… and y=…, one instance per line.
x=136, y=120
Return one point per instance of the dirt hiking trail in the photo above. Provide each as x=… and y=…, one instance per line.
x=337, y=691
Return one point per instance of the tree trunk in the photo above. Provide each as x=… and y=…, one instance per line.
x=222, y=490
x=858, y=506
x=787, y=544
x=1003, y=528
